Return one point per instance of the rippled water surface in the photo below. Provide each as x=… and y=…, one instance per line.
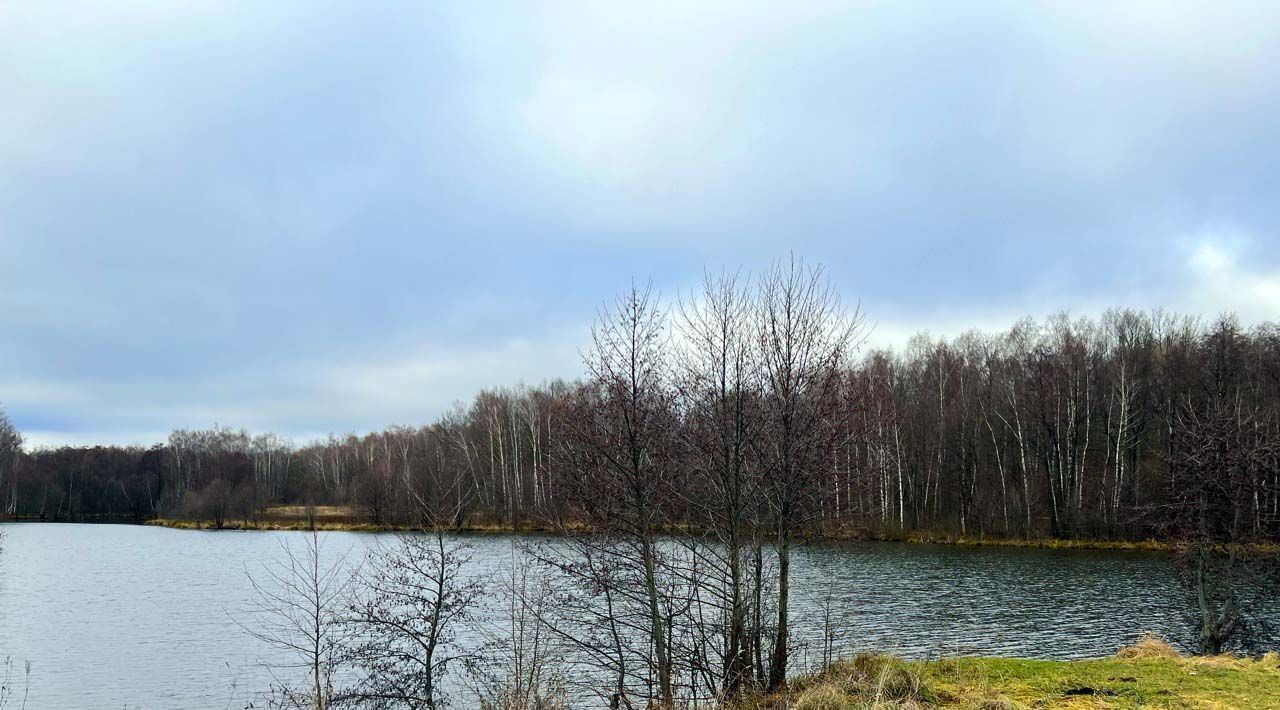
x=115, y=616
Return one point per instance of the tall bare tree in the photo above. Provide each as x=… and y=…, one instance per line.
x=805, y=336
x=718, y=381
x=623, y=425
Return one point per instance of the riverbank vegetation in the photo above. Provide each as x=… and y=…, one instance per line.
x=1150, y=674
x=709, y=437
x=347, y=519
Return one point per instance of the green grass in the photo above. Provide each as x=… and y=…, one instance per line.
x=1147, y=675
x=1110, y=683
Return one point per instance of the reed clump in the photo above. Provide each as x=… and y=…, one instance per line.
x=1148, y=646
x=867, y=680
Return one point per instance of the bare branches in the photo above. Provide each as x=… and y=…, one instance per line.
x=520, y=666
x=706, y=440
x=719, y=380
x=1223, y=451
x=401, y=623
x=298, y=612
x=805, y=337
x=623, y=463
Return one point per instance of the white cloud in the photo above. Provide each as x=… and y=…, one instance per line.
x=1214, y=276
x=1222, y=279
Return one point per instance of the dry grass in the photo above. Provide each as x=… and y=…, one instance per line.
x=268, y=524
x=864, y=681
x=319, y=511
x=1047, y=543
x=1148, y=646
x=339, y=517
x=1148, y=674
x=329, y=517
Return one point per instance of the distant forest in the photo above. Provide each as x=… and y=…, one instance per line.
x=752, y=399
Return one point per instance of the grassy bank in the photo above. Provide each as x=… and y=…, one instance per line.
x=296, y=517
x=335, y=526
x=326, y=517
x=1149, y=674
x=1045, y=542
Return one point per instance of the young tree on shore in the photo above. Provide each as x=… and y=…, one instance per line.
x=520, y=666
x=620, y=477
x=407, y=603
x=298, y=612
x=805, y=336
x=402, y=618
x=718, y=382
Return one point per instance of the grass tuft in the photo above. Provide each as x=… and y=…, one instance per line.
x=1148, y=646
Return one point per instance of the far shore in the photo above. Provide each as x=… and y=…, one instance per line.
x=831, y=535
x=344, y=519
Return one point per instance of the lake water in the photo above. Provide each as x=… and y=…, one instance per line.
x=116, y=616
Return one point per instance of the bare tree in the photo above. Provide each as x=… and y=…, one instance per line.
x=403, y=617
x=298, y=611
x=805, y=336
x=622, y=475
x=519, y=666
x=718, y=382
x=1223, y=448
x=10, y=449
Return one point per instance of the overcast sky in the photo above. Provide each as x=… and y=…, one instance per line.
x=311, y=216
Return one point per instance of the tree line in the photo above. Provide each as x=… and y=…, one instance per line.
x=1059, y=428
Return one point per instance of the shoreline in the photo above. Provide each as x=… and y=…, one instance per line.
x=846, y=536
x=297, y=524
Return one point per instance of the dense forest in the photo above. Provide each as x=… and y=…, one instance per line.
x=1055, y=428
